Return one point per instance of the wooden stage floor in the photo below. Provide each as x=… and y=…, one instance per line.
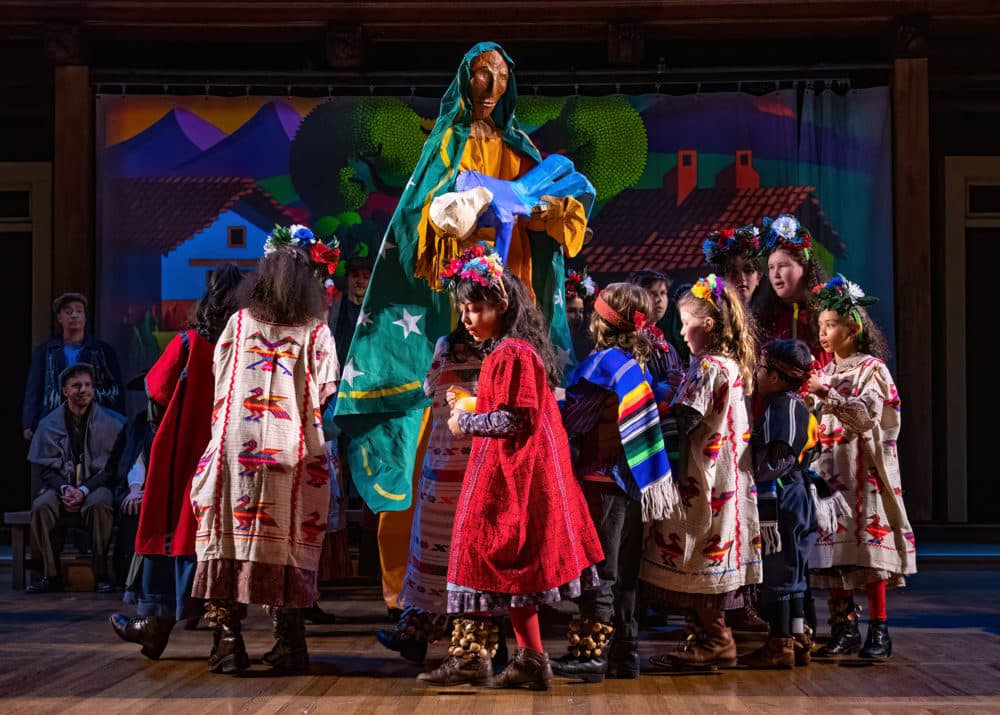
x=59, y=655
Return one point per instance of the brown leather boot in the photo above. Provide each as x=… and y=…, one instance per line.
x=151, y=632
x=776, y=652
x=527, y=669
x=711, y=646
x=230, y=653
x=473, y=644
x=803, y=644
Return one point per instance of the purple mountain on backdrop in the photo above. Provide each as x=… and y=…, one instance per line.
x=178, y=136
x=716, y=124
x=256, y=150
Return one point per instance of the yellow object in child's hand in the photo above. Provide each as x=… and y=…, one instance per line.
x=463, y=399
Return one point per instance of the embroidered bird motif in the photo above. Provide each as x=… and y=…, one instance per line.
x=314, y=527
x=669, y=551
x=256, y=403
x=199, y=513
x=251, y=458
x=716, y=551
x=318, y=472
x=713, y=447
x=246, y=514
x=717, y=502
x=688, y=491
x=215, y=409
x=908, y=535
x=830, y=439
x=271, y=354
x=203, y=463
x=876, y=530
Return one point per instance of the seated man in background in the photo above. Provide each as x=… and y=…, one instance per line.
x=42, y=391
x=71, y=448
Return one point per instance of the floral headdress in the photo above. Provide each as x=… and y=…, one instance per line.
x=787, y=233
x=709, y=289
x=742, y=242
x=580, y=285
x=480, y=264
x=842, y=296
x=324, y=256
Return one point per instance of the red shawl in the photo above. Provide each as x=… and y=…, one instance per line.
x=522, y=524
x=179, y=443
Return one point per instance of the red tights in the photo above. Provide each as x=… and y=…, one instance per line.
x=876, y=599
x=525, y=622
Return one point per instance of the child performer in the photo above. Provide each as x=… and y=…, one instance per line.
x=456, y=363
x=704, y=555
x=261, y=491
x=782, y=305
x=522, y=534
x=783, y=444
x=734, y=254
x=626, y=474
x=873, y=546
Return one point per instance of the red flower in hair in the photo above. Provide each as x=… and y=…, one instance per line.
x=320, y=253
x=728, y=233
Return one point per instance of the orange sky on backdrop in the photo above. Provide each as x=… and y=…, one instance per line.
x=126, y=116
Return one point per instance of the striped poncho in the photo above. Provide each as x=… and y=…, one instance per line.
x=639, y=425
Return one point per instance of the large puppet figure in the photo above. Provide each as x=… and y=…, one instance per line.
x=405, y=312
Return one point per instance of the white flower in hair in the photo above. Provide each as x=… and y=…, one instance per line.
x=588, y=283
x=269, y=247
x=756, y=231
x=785, y=226
x=854, y=290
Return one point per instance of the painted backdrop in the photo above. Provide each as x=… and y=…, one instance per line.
x=187, y=182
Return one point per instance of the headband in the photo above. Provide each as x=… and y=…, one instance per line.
x=616, y=319
x=787, y=369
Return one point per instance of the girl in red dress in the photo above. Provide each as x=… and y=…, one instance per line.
x=522, y=534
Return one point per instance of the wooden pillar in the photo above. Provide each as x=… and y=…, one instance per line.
x=73, y=166
x=912, y=251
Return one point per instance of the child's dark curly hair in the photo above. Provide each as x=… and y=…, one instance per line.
x=218, y=302
x=521, y=320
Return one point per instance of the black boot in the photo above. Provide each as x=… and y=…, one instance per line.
x=878, y=644
x=502, y=656
x=845, y=638
x=289, y=654
x=317, y=616
x=229, y=654
x=587, y=656
x=623, y=659
x=151, y=632
x=415, y=630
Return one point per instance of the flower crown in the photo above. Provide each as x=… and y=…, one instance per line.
x=787, y=233
x=742, y=242
x=480, y=263
x=840, y=295
x=581, y=285
x=709, y=289
x=324, y=256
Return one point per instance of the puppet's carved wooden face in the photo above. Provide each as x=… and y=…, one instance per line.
x=489, y=75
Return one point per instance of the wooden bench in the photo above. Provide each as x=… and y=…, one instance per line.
x=18, y=521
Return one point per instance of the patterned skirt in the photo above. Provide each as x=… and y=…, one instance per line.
x=467, y=600
x=425, y=584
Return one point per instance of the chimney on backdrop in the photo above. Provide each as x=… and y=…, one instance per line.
x=687, y=173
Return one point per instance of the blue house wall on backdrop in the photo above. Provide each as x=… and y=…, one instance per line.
x=184, y=271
